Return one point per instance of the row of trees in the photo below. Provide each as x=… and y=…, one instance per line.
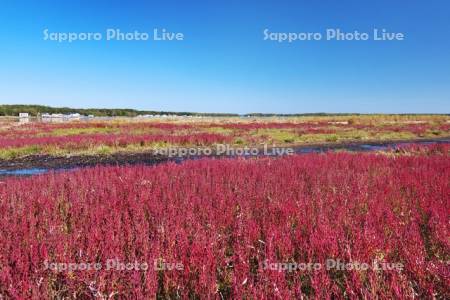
x=35, y=110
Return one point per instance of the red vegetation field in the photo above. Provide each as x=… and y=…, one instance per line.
x=118, y=140
x=224, y=221
x=109, y=136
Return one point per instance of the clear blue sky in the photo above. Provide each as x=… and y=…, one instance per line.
x=223, y=64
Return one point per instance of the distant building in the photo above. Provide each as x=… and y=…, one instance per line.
x=75, y=116
x=24, y=115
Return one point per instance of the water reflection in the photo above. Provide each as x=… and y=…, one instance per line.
x=23, y=172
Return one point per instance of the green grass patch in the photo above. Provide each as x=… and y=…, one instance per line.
x=219, y=130
x=390, y=135
x=275, y=135
x=12, y=153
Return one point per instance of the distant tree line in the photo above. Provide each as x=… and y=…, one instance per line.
x=321, y=114
x=36, y=110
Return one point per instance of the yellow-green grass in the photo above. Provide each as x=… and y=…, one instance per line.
x=11, y=153
x=88, y=130
x=288, y=136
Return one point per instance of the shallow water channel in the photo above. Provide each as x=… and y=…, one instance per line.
x=298, y=150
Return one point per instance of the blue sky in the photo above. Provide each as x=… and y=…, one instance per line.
x=223, y=64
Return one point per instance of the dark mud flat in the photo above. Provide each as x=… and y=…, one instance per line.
x=78, y=161
x=38, y=164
